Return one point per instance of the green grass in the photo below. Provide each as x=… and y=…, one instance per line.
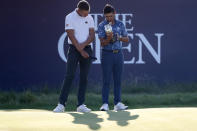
x=135, y=95
x=35, y=100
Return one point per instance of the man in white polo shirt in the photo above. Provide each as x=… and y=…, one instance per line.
x=79, y=26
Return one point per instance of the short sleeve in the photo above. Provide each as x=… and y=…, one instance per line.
x=101, y=31
x=68, y=23
x=91, y=22
x=123, y=30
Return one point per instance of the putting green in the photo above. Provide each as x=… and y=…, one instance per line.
x=155, y=119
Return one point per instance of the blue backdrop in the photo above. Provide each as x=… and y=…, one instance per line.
x=162, y=43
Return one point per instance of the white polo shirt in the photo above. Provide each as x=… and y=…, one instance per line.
x=80, y=25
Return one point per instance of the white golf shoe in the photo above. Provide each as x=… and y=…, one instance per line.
x=83, y=108
x=59, y=108
x=104, y=107
x=120, y=106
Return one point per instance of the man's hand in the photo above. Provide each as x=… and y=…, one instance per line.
x=80, y=47
x=109, y=35
x=106, y=41
x=84, y=54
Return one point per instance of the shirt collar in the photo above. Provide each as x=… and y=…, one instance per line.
x=78, y=14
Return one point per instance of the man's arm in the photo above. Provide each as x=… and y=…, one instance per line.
x=124, y=34
x=109, y=37
x=74, y=41
x=124, y=39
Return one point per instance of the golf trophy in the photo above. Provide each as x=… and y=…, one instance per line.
x=108, y=29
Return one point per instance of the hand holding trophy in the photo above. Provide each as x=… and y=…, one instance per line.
x=110, y=36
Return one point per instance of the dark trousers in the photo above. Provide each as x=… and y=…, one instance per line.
x=73, y=59
x=112, y=64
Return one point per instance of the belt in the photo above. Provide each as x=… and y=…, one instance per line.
x=113, y=51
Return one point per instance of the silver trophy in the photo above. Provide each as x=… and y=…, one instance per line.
x=108, y=28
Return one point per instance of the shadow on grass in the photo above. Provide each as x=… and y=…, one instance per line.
x=92, y=120
x=121, y=117
x=89, y=119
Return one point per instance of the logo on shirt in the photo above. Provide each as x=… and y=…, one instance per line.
x=86, y=22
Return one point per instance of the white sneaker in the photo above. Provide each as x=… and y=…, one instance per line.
x=104, y=107
x=120, y=106
x=83, y=108
x=59, y=108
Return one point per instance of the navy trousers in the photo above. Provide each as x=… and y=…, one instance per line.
x=73, y=59
x=112, y=64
